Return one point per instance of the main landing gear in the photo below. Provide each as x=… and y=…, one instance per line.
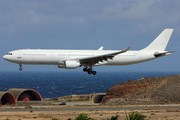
x=89, y=71
x=20, y=67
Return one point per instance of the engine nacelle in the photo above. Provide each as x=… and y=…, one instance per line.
x=61, y=66
x=71, y=64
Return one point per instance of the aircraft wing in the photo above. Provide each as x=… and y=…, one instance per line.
x=100, y=58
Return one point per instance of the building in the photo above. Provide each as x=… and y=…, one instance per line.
x=13, y=95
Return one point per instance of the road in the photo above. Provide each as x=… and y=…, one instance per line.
x=45, y=108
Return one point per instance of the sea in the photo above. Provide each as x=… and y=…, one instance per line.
x=58, y=84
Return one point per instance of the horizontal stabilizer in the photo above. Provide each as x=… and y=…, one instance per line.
x=160, y=54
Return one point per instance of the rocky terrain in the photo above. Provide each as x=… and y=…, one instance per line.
x=69, y=98
x=151, y=90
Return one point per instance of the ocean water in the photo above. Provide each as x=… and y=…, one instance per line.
x=57, y=84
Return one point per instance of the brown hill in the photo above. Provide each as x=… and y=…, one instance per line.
x=151, y=90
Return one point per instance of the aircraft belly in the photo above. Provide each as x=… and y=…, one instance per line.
x=123, y=60
x=130, y=59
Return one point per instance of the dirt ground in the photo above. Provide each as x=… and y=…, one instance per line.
x=158, y=114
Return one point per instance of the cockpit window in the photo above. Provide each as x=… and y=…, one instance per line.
x=9, y=53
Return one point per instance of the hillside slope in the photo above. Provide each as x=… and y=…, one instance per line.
x=151, y=90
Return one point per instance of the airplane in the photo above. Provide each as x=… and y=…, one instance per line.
x=71, y=59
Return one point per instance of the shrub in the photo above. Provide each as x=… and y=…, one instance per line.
x=83, y=116
x=114, y=117
x=153, y=114
x=31, y=111
x=135, y=116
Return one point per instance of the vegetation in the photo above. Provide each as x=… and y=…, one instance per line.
x=43, y=115
x=29, y=106
x=83, y=116
x=153, y=114
x=135, y=116
x=130, y=116
x=71, y=98
x=78, y=99
x=31, y=111
x=114, y=117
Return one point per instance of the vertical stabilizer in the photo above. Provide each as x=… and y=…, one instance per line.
x=161, y=41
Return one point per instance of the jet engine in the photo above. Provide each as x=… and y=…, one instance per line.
x=71, y=64
x=61, y=66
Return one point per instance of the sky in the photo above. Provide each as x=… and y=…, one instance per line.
x=89, y=24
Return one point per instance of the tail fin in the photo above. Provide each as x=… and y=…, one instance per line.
x=161, y=41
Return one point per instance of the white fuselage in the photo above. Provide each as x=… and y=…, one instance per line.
x=71, y=59
x=57, y=57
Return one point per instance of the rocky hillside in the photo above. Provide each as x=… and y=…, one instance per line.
x=151, y=90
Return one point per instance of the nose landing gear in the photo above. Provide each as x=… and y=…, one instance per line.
x=20, y=67
x=89, y=70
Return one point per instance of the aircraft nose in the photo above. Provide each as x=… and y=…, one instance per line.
x=5, y=57
x=8, y=58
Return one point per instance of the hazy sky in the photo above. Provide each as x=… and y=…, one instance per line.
x=89, y=24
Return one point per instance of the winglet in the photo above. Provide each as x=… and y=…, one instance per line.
x=101, y=48
x=127, y=49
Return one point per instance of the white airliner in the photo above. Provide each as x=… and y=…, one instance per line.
x=71, y=59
